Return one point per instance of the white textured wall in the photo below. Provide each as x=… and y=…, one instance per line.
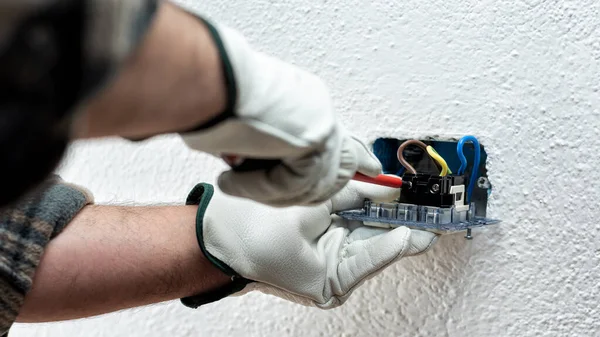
x=523, y=75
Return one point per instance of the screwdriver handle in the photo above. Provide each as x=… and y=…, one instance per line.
x=246, y=165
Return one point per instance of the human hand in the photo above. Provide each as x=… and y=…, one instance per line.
x=279, y=112
x=304, y=254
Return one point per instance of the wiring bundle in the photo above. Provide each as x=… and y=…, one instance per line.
x=438, y=201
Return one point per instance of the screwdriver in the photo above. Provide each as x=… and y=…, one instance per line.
x=241, y=165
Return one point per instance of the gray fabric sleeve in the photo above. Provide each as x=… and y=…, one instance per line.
x=25, y=230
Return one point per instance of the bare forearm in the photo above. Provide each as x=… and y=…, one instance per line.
x=111, y=258
x=172, y=82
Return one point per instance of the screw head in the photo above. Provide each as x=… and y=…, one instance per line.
x=435, y=188
x=468, y=236
x=483, y=182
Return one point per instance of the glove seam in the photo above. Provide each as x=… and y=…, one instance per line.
x=424, y=251
x=228, y=78
x=201, y=195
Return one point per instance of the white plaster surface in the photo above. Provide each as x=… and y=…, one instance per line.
x=523, y=75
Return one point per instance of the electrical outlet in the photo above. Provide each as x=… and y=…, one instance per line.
x=432, y=199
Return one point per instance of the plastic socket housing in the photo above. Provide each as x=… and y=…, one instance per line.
x=435, y=219
x=416, y=213
x=430, y=190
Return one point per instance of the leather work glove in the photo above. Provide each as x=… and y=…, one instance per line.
x=281, y=114
x=306, y=255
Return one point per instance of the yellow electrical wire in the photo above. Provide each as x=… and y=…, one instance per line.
x=433, y=154
x=445, y=170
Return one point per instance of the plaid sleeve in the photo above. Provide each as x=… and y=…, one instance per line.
x=24, y=232
x=55, y=53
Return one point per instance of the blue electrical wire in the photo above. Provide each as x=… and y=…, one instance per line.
x=401, y=171
x=463, y=162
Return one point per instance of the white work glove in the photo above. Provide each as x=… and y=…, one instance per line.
x=306, y=255
x=281, y=113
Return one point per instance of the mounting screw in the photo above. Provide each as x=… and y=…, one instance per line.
x=483, y=182
x=469, y=236
x=435, y=188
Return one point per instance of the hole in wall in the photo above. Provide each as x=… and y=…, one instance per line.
x=385, y=148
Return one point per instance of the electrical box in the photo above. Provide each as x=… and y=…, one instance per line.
x=445, y=187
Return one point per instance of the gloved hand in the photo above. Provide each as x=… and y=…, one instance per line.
x=304, y=254
x=279, y=111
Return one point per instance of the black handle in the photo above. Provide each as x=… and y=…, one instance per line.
x=249, y=165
